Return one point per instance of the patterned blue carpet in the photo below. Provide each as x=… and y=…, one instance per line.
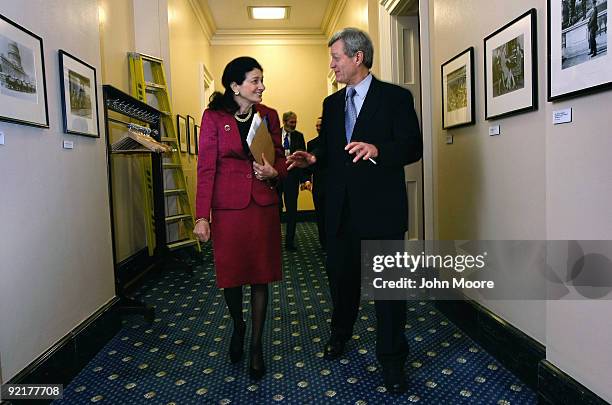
x=182, y=357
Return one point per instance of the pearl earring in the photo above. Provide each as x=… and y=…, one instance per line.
x=236, y=93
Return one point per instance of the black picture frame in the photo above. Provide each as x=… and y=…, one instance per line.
x=79, y=91
x=191, y=140
x=182, y=132
x=196, y=135
x=23, y=83
x=571, y=71
x=511, y=68
x=461, y=110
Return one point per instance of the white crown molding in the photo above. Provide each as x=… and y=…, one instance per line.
x=396, y=7
x=268, y=37
x=332, y=15
x=204, y=16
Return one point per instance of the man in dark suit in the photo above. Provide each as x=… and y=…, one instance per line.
x=369, y=133
x=288, y=189
x=318, y=188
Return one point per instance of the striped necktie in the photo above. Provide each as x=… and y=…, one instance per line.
x=350, y=113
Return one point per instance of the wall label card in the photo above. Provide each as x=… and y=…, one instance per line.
x=562, y=116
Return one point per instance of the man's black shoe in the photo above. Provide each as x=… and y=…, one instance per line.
x=334, y=348
x=395, y=378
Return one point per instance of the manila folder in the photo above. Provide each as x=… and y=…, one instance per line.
x=262, y=143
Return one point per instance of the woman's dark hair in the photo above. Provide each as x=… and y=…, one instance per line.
x=235, y=71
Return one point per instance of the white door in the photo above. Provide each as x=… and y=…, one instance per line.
x=406, y=73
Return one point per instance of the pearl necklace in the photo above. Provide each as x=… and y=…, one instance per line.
x=245, y=119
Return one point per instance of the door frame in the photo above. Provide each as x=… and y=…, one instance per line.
x=389, y=71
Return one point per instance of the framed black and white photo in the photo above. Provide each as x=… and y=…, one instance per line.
x=578, y=58
x=196, y=136
x=79, y=89
x=458, y=107
x=191, y=138
x=182, y=132
x=511, y=68
x=23, y=88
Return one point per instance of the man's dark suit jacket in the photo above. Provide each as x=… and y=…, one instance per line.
x=296, y=142
x=376, y=193
x=318, y=173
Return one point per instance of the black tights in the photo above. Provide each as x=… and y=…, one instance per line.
x=259, y=304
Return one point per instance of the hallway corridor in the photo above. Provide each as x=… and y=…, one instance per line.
x=182, y=357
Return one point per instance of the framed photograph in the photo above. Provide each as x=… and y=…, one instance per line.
x=182, y=132
x=511, y=68
x=458, y=106
x=23, y=88
x=196, y=135
x=79, y=89
x=578, y=58
x=191, y=138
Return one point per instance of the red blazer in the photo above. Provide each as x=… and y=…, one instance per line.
x=225, y=172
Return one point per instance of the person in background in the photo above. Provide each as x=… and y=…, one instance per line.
x=593, y=27
x=289, y=188
x=237, y=204
x=369, y=132
x=318, y=187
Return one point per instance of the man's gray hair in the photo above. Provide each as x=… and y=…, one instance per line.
x=355, y=40
x=288, y=115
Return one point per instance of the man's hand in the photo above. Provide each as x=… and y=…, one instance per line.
x=300, y=159
x=363, y=150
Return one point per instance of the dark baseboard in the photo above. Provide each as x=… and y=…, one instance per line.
x=519, y=353
x=65, y=359
x=556, y=387
x=496, y=336
x=132, y=268
x=302, y=216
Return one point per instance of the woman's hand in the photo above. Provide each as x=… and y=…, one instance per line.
x=264, y=172
x=202, y=231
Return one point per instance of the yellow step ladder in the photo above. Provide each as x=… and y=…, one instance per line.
x=151, y=88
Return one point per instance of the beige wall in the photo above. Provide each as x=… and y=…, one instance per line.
x=117, y=38
x=295, y=78
x=488, y=187
x=189, y=49
x=56, y=253
x=535, y=181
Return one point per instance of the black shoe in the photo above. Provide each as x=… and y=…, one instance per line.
x=395, y=378
x=257, y=367
x=236, y=348
x=334, y=348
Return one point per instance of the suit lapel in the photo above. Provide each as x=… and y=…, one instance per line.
x=338, y=106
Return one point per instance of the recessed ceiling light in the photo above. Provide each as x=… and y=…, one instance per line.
x=269, y=13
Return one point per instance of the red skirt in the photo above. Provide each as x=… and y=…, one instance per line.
x=246, y=245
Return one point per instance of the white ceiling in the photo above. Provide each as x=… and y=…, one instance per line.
x=233, y=14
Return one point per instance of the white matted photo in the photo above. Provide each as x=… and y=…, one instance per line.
x=510, y=65
x=79, y=96
x=578, y=58
x=181, y=132
x=23, y=89
x=458, y=106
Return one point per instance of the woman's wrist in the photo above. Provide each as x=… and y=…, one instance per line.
x=197, y=221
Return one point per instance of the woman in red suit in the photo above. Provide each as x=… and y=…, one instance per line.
x=237, y=202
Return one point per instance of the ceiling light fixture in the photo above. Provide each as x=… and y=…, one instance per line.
x=269, y=13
